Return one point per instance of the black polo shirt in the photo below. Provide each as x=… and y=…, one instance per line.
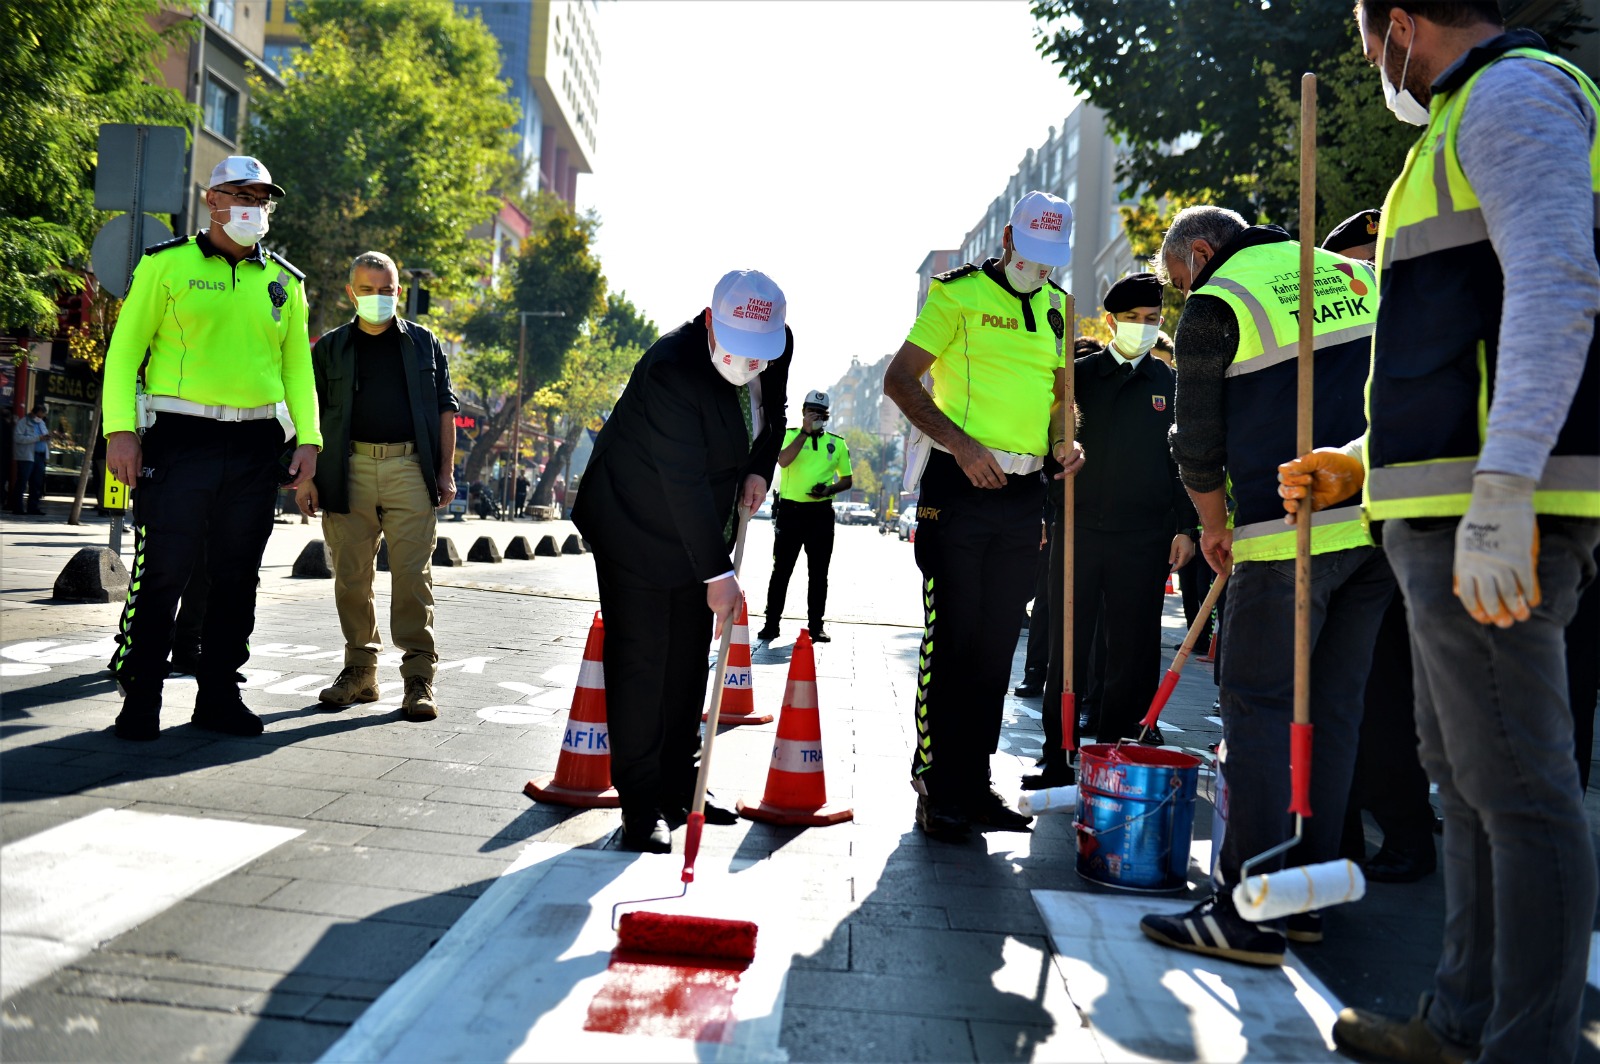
x=380, y=411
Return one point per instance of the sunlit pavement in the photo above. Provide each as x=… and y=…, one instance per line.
x=364, y=840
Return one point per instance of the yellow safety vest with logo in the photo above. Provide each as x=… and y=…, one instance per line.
x=1435, y=349
x=1261, y=283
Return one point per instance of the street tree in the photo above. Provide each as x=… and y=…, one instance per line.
x=597, y=369
x=70, y=65
x=391, y=133
x=556, y=278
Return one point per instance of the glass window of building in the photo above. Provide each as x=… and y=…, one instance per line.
x=221, y=12
x=221, y=108
x=1072, y=144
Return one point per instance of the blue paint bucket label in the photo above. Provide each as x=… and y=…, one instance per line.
x=1135, y=815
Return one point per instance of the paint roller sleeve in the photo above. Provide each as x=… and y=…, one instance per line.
x=1298, y=890
x=1050, y=800
x=697, y=936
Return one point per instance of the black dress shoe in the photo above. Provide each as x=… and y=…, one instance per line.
x=1054, y=775
x=646, y=832
x=1029, y=689
x=715, y=813
x=939, y=821
x=767, y=634
x=991, y=810
x=140, y=719
x=819, y=636
x=225, y=712
x=1397, y=864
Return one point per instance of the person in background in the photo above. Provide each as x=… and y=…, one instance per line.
x=30, y=447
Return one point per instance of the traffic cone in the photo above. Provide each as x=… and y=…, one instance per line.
x=1211, y=651
x=797, y=794
x=738, y=681
x=1170, y=589
x=583, y=772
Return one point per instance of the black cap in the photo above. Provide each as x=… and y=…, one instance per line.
x=1360, y=228
x=1134, y=290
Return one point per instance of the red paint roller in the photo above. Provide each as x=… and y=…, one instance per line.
x=1170, y=680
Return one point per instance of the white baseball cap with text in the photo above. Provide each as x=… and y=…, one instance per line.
x=1041, y=229
x=747, y=311
x=242, y=170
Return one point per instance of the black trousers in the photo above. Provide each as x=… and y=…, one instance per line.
x=1583, y=673
x=808, y=525
x=1037, y=660
x=1119, y=579
x=1195, y=581
x=205, y=497
x=187, y=629
x=655, y=661
x=977, y=549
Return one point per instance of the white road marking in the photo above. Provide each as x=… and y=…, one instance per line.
x=1215, y=720
x=66, y=890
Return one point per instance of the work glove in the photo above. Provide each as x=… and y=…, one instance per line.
x=1497, y=551
x=1330, y=474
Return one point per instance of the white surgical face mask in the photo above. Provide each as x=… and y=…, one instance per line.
x=1401, y=102
x=1025, y=276
x=245, y=225
x=736, y=370
x=1134, y=339
x=375, y=309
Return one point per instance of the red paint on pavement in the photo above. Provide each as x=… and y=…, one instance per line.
x=666, y=997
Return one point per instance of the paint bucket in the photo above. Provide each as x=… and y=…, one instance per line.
x=1135, y=816
x=1219, y=807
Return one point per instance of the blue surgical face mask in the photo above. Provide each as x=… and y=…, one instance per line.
x=375, y=309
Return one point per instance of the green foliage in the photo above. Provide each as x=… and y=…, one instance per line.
x=625, y=325
x=1228, y=72
x=870, y=457
x=389, y=135
x=70, y=65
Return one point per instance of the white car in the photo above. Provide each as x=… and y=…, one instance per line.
x=907, y=522
x=854, y=513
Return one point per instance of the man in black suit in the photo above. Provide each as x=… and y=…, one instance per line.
x=696, y=431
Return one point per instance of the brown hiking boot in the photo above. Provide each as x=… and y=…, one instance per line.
x=1365, y=1035
x=356, y=683
x=419, y=703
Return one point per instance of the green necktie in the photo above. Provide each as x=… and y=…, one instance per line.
x=750, y=439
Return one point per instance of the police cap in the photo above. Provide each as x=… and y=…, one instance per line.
x=1360, y=228
x=1134, y=290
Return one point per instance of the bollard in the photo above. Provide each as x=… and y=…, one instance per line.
x=547, y=548
x=519, y=549
x=315, y=562
x=444, y=553
x=483, y=550
x=94, y=574
x=573, y=545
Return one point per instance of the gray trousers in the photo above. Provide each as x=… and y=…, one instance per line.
x=1496, y=731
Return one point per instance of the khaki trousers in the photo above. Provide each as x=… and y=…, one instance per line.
x=387, y=496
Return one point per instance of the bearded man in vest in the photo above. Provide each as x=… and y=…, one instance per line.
x=1234, y=415
x=1482, y=463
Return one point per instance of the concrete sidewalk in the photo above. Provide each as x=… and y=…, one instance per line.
x=902, y=949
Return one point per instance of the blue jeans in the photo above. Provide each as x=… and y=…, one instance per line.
x=1349, y=592
x=1496, y=731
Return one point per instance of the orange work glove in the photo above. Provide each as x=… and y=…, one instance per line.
x=1330, y=474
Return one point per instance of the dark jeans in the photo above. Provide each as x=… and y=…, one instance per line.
x=1583, y=673
x=655, y=656
x=1037, y=660
x=1496, y=730
x=206, y=492
x=977, y=548
x=30, y=479
x=797, y=525
x=1349, y=591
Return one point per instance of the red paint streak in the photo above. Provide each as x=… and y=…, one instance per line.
x=689, y=999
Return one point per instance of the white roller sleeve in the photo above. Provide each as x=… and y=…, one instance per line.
x=1299, y=890
x=1050, y=800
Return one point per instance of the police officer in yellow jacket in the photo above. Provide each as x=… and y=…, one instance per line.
x=994, y=338
x=224, y=325
x=1235, y=415
x=816, y=467
x=1481, y=467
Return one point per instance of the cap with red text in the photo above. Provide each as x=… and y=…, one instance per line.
x=243, y=170
x=747, y=311
x=1041, y=229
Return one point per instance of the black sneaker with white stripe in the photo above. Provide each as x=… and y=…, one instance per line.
x=1213, y=927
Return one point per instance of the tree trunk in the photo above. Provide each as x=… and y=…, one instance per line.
x=495, y=426
x=552, y=468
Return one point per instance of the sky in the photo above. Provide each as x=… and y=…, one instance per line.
x=830, y=144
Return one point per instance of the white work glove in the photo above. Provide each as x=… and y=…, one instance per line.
x=1497, y=551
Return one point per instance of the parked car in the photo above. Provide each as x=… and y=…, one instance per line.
x=854, y=513
x=907, y=523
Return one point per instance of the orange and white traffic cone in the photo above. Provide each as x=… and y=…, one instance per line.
x=583, y=772
x=797, y=794
x=738, y=680
x=1170, y=589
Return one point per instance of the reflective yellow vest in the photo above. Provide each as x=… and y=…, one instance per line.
x=1434, y=352
x=1261, y=283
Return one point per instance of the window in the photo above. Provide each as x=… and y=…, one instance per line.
x=221, y=108
x=1071, y=194
x=278, y=54
x=1072, y=144
x=221, y=12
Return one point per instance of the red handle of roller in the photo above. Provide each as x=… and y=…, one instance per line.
x=691, y=844
x=1168, y=683
x=1069, y=721
x=1300, y=768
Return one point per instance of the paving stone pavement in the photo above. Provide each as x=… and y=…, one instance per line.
x=907, y=950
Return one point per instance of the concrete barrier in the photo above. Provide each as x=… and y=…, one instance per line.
x=547, y=548
x=444, y=553
x=573, y=545
x=94, y=574
x=483, y=550
x=519, y=549
x=315, y=562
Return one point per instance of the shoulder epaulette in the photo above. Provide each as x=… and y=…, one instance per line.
x=166, y=245
x=287, y=265
x=1057, y=287
x=959, y=271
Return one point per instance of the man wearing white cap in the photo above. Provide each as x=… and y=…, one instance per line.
x=696, y=431
x=816, y=467
x=994, y=338
x=194, y=427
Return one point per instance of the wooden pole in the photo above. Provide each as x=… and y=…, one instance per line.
x=1064, y=535
x=1303, y=436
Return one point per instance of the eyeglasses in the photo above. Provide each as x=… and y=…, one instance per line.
x=266, y=203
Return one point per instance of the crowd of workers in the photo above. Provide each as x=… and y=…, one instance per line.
x=1455, y=479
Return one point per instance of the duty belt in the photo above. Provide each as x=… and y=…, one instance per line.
x=383, y=450
x=1009, y=461
x=171, y=404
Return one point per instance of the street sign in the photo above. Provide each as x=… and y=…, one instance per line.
x=140, y=163
x=113, y=493
x=116, y=250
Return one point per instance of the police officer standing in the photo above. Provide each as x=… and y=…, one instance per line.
x=994, y=337
x=816, y=467
x=224, y=322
